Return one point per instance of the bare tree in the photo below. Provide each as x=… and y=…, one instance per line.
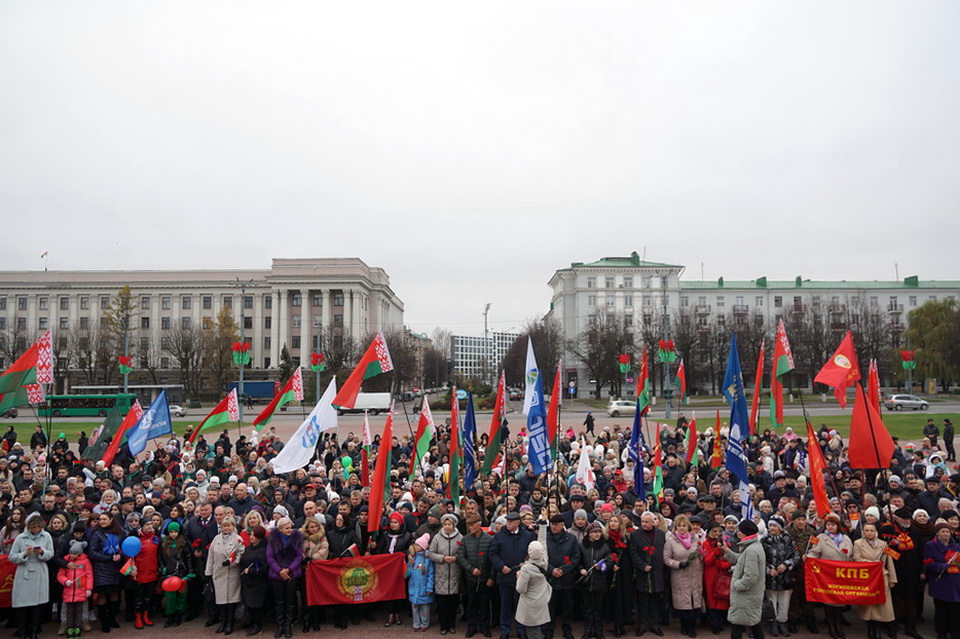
x=598, y=347
x=147, y=353
x=548, y=347
x=188, y=347
x=218, y=341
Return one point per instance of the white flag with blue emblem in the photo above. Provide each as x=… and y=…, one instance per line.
x=531, y=374
x=301, y=447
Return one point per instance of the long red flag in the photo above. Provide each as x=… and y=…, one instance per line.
x=380, y=476
x=870, y=443
x=841, y=370
x=817, y=464
x=873, y=385
x=553, y=411
x=757, y=389
x=133, y=416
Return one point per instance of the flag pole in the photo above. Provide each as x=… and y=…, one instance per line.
x=806, y=420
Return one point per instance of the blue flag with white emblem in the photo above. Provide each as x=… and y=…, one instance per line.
x=736, y=461
x=636, y=454
x=468, y=437
x=539, y=452
x=154, y=422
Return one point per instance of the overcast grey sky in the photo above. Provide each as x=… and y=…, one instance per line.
x=471, y=149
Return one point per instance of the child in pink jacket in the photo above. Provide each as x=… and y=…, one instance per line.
x=77, y=585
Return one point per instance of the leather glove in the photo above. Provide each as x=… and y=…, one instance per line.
x=684, y=564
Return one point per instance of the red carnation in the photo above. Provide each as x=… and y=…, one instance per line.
x=844, y=550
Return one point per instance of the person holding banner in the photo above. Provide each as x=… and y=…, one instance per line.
x=870, y=548
x=941, y=556
x=834, y=545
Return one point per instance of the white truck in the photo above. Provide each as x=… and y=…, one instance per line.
x=373, y=403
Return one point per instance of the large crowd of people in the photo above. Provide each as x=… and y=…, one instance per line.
x=209, y=531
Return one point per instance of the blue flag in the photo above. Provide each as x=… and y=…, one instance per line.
x=154, y=422
x=468, y=436
x=539, y=451
x=736, y=461
x=636, y=454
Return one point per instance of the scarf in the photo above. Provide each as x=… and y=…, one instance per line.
x=684, y=538
x=616, y=536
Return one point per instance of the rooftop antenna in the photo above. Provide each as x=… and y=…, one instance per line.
x=644, y=253
x=701, y=271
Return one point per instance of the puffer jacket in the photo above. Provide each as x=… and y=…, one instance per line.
x=474, y=552
x=420, y=572
x=780, y=549
x=446, y=576
x=103, y=545
x=747, y=585
x=563, y=552
x=147, y=560
x=285, y=553
x=76, y=592
x=593, y=552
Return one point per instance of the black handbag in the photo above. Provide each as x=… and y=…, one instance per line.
x=768, y=614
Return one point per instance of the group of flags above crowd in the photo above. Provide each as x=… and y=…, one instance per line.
x=871, y=446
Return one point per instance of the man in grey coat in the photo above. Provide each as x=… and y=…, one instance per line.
x=747, y=586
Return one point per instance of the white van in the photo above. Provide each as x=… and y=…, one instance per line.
x=373, y=403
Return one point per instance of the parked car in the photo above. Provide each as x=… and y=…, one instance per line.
x=178, y=411
x=899, y=402
x=620, y=407
x=10, y=413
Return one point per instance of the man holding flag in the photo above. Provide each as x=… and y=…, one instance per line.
x=736, y=461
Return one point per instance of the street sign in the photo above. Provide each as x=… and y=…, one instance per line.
x=461, y=394
x=572, y=390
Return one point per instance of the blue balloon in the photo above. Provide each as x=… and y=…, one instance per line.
x=130, y=546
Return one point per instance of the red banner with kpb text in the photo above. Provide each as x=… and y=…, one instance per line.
x=355, y=580
x=7, y=570
x=855, y=583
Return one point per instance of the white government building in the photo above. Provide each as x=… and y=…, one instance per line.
x=640, y=290
x=285, y=304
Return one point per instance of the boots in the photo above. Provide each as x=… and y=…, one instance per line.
x=308, y=620
x=104, y=618
x=222, y=612
x=146, y=618
x=138, y=621
x=774, y=629
x=228, y=629
x=784, y=629
x=113, y=608
x=169, y=622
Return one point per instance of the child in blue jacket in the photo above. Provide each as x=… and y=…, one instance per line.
x=420, y=582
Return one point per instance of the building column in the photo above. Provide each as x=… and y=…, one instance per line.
x=284, y=322
x=274, y=329
x=305, y=332
x=328, y=312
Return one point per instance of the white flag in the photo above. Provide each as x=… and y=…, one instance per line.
x=531, y=373
x=301, y=447
x=585, y=469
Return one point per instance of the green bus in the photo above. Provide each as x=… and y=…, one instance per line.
x=86, y=405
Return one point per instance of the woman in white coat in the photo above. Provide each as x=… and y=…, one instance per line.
x=31, y=551
x=533, y=608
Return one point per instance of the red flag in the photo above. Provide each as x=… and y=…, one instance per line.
x=682, y=381
x=291, y=391
x=873, y=385
x=757, y=389
x=335, y=581
x=870, y=443
x=716, y=457
x=817, y=464
x=133, y=416
x=841, y=370
x=374, y=362
x=553, y=411
x=643, y=384
x=782, y=364
x=453, y=484
x=421, y=443
x=492, y=453
x=380, y=476
x=692, y=439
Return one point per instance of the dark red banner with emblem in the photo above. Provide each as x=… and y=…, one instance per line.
x=855, y=583
x=356, y=580
x=7, y=570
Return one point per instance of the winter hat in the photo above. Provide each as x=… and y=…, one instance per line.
x=434, y=512
x=396, y=517
x=535, y=551
x=594, y=527
x=173, y=526
x=873, y=511
x=579, y=513
x=778, y=520
x=451, y=517
x=281, y=510
x=423, y=541
x=77, y=547
x=607, y=508
x=748, y=528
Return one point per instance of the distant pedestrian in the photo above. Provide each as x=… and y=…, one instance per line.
x=589, y=422
x=948, y=433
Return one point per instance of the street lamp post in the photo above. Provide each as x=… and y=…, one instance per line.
x=243, y=340
x=487, y=346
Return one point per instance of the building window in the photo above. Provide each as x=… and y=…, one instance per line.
x=913, y=300
x=21, y=323
x=165, y=323
x=338, y=320
x=21, y=303
x=777, y=301
x=338, y=299
x=267, y=342
x=647, y=301
x=297, y=299
x=720, y=301
x=684, y=301
x=318, y=299
x=268, y=301
x=145, y=302
x=64, y=323
x=84, y=323
x=166, y=343
x=207, y=302
x=42, y=303
x=628, y=281
x=3, y=303
x=874, y=301
x=64, y=303
x=591, y=301
x=164, y=362
x=739, y=300
x=228, y=301
x=44, y=323
x=628, y=320
x=248, y=301
x=893, y=302
x=591, y=282
x=186, y=302
x=145, y=322
x=611, y=301
x=645, y=281
x=248, y=322
x=628, y=301
x=295, y=341
x=664, y=281
x=144, y=344
x=104, y=302
x=206, y=323
x=758, y=301
x=185, y=323
x=318, y=321
x=268, y=322
x=84, y=303
x=296, y=321
x=608, y=282
x=165, y=303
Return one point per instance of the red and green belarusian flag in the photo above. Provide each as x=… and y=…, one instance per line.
x=133, y=416
x=453, y=480
x=657, y=468
x=716, y=455
x=228, y=410
x=553, y=412
x=421, y=444
x=292, y=390
x=782, y=364
x=34, y=367
x=681, y=381
x=757, y=390
x=492, y=452
x=381, y=474
x=693, y=450
x=643, y=384
x=374, y=362
x=365, y=452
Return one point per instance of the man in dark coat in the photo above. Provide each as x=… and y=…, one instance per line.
x=646, y=553
x=903, y=538
x=507, y=551
x=563, y=557
x=473, y=555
